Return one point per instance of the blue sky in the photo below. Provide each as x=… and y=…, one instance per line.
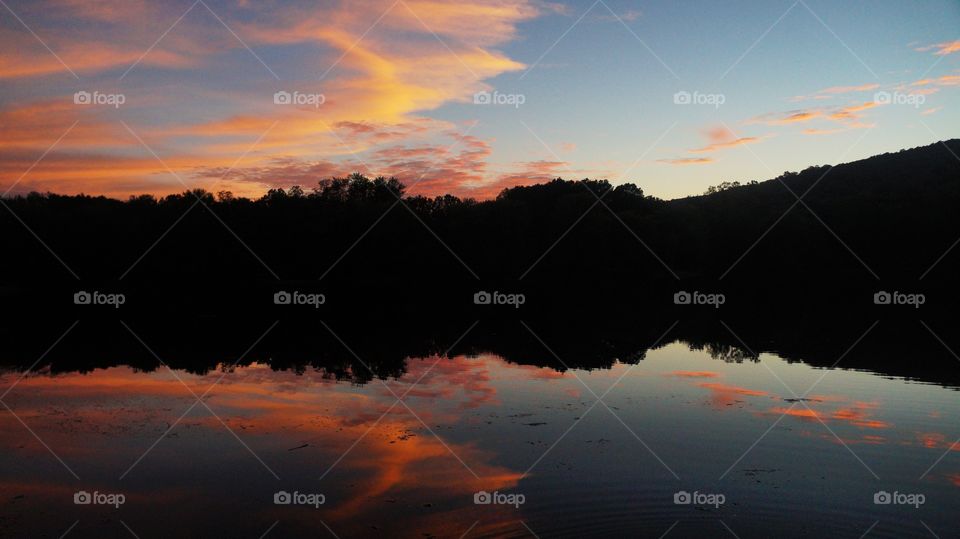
x=602, y=90
x=774, y=85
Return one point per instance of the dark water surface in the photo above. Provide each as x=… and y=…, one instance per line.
x=766, y=447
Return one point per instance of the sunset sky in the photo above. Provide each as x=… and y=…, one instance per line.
x=585, y=89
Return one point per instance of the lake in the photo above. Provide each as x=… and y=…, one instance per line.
x=679, y=440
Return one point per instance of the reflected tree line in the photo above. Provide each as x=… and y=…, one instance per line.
x=902, y=348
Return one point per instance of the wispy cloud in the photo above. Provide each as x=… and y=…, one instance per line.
x=945, y=80
x=815, y=131
x=719, y=138
x=941, y=49
x=727, y=144
x=847, y=114
x=687, y=161
x=850, y=113
x=797, y=117
x=833, y=91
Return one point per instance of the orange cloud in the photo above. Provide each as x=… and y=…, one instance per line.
x=790, y=117
x=722, y=395
x=376, y=91
x=721, y=138
x=84, y=54
x=694, y=374
x=942, y=49
x=719, y=134
x=937, y=440
x=728, y=144
x=733, y=389
x=391, y=456
x=37, y=125
x=931, y=440
x=849, y=89
x=945, y=80
x=440, y=169
x=797, y=117
x=686, y=161
x=857, y=413
x=850, y=113
x=828, y=93
x=849, y=116
x=528, y=173
x=814, y=131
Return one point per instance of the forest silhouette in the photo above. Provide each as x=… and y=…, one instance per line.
x=840, y=232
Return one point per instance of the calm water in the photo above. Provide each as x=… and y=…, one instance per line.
x=677, y=421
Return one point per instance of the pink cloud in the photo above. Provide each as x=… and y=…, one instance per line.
x=376, y=93
x=686, y=161
x=727, y=144
x=942, y=49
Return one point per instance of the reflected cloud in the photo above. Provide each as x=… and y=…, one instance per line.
x=694, y=374
x=723, y=395
x=857, y=413
x=112, y=415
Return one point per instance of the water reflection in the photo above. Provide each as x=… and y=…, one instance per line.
x=677, y=421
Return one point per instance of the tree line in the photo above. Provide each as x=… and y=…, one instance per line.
x=882, y=221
